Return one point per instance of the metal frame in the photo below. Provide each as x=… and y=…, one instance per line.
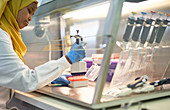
x=110, y=31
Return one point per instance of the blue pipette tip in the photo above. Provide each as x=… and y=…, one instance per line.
x=143, y=13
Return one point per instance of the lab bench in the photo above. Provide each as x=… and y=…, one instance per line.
x=67, y=98
x=41, y=101
x=49, y=103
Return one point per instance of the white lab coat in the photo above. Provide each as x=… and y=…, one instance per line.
x=14, y=74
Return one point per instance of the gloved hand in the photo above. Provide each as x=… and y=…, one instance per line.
x=77, y=52
x=62, y=80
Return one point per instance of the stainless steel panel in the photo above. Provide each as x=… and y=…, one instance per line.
x=83, y=96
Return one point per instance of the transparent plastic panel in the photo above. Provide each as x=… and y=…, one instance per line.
x=132, y=56
x=144, y=45
x=50, y=36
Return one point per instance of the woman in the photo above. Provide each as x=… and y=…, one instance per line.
x=14, y=74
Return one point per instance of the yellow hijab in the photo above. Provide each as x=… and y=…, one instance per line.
x=8, y=15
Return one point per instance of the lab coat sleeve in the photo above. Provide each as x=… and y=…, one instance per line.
x=16, y=75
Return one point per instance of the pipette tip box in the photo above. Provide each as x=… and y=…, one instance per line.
x=78, y=81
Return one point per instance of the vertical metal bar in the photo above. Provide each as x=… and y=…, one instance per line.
x=110, y=30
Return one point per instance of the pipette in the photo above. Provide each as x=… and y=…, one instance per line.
x=154, y=32
x=127, y=89
x=126, y=36
x=144, y=35
x=78, y=37
x=160, y=82
x=80, y=67
x=146, y=29
x=161, y=31
x=137, y=31
x=135, y=38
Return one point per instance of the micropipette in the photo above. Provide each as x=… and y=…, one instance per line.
x=154, y=32
x=79, y=68
x=160, y=82
x=135, y=38
x=131, y=21
x=136, y=33
x=146, y=29
x=126, y=36
x=161, y=31
x=144, y=35
x=78, y=37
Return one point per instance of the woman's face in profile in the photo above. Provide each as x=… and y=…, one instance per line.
x=25, y=15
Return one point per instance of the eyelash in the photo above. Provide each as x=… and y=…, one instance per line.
x=29, y=11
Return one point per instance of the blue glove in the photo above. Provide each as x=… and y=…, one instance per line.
x=62, y=80
x=76, y=53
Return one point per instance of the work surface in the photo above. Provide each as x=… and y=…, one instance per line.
x=50, y=103
x=67, y=98
x=83, y=96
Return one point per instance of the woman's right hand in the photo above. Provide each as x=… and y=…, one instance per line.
x=77, y=52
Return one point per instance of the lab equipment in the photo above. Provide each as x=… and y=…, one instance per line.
x=152, y=38
x=151, y=86
x=138, y=27
x=128, y=89
x=140, y=85
x=135, y=38
x=100, y=82
x=119, y=92
x=78, y=37
x=78, y=81
x=79, y=68
x=126, y=36
x=146, y=29
x=161, y=31
x=93, y=72
x=145, y=88
x=160, y=82
x=130, y=25
x=143, y=38
x=76, y=53
x=61, y=81
x=138, y=82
